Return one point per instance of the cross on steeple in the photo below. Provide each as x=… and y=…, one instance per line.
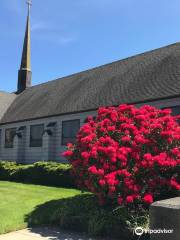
x=29, y=3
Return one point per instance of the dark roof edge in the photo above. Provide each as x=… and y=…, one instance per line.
x=88, y=110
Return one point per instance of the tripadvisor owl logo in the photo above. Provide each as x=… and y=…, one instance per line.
x=139, y=231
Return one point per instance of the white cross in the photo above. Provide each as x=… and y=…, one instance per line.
x=29, y=3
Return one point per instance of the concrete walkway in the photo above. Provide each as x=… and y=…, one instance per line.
x=43, y=233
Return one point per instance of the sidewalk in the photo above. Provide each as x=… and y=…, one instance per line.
x=43, y=233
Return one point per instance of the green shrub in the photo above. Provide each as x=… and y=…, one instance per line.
x=82, y=213
x=43, y=173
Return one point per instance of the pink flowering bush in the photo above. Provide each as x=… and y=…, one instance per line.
x=128, y=156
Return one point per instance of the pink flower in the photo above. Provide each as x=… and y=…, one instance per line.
x=94, y=154
x=148, y=157
x=111, y=181
x=148, y=198
x=139, y=139
x=175, y=151
x=85, y=155
x=129, y=199
x=102, y=182
x=68, y=153
x=93, y=170
x=125, y=139
x=101, y=172
x=70, y=145
x=111, y=128
x=114, y=116
x=174, y=184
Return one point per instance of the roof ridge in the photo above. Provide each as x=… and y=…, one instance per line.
x=106, y=64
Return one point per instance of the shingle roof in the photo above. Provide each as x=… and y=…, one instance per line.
x=148, y=76
x=6, y=100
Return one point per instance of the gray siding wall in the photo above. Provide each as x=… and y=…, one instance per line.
x=52, y=146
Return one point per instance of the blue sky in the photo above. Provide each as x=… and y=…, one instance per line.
x=69, y=36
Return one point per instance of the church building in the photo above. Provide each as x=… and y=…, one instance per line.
x=36, y=122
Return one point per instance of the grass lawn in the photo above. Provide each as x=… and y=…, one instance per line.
x=18, y=200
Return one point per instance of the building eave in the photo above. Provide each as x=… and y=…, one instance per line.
x=88, y=110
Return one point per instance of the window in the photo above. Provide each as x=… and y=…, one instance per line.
x=9, y=137
x=36, y=133
x=69, y=131
x=175, y=110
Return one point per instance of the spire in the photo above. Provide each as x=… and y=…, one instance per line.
x=26, y=61
x=24, y=75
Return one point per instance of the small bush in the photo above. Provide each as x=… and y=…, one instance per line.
x=128, y=156
x=43, y=173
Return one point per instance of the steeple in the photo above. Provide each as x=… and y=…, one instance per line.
x=24, y=74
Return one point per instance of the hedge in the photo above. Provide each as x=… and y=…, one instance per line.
x=43, y=173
